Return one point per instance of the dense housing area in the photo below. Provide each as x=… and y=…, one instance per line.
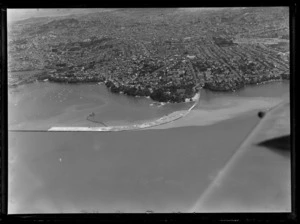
x=167, y=54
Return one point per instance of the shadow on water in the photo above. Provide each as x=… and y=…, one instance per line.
x=280, y=145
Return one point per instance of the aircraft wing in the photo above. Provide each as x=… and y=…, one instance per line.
x=258, y=176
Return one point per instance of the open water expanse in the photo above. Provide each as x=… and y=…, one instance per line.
x=41, y=105
x=162, y=169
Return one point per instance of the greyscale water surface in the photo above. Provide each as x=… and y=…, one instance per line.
x=162, y=170
x=41, y=105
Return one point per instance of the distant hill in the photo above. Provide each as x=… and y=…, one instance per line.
x=14, y=15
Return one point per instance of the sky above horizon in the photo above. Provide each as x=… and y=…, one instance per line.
x=21, y=14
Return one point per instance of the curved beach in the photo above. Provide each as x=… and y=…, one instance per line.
x=163, y=120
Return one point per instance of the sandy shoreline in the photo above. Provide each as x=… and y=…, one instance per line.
x=203, y=114
x=200, y=114
x=163, y=120
x=229, y=108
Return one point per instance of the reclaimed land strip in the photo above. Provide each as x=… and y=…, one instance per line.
x=163, y=120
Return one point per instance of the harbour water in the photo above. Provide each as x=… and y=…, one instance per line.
x=164, y=169
x=41, y=105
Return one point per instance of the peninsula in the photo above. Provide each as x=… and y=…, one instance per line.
x=166, y=54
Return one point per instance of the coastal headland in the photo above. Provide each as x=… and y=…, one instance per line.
x=165, y=54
